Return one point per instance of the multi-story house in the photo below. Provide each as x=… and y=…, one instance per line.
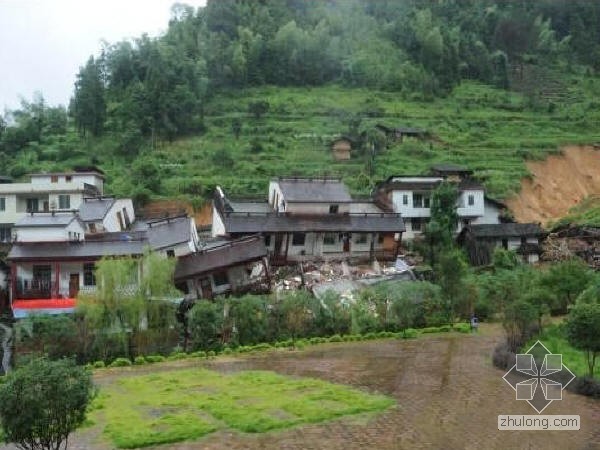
x=310, y=218
x=44, y=193
x=411, y=197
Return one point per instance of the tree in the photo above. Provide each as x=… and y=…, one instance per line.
x=43, y=402
x=518, y=317
x=258, y=109
x=88, y=106
x=567, y=279
x=583, y=331
x=439, y=232
x=206, y=324
x=405, y=309
x=450, y=273
x=236, y=127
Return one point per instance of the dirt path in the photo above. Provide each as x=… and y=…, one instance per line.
x=449, y=396
x=558, y=183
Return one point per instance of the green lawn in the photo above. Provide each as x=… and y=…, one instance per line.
x=188, y=404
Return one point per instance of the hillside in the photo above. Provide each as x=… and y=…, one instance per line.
x=492, y=131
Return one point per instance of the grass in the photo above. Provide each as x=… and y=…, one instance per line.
x=187, y=404
x=491, y=131
x=586, y=213
x=553, y=337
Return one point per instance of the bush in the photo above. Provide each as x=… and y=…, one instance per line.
x=462, y=327
x=51, y=398
x=139, y=360
x=409, y=333
x=335, y=338
x=210, y=354
x=586, y=386
x=155, y=358
x=198, y=354
x=120, y=362
x=99, y=365
x=177, y=356
x=503, y=358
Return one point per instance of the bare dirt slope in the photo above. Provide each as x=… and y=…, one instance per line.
x=557, y=184
x=162, y=208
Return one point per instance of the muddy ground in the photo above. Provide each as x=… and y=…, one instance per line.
x=449, y=396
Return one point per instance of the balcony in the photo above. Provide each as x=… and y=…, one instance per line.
x=35, y=288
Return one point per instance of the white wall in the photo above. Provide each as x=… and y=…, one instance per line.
x=408, y=210
x=475, y=210
x=218, y=227
x=111, y=222
x=491, y=214
x=77, y=179
x=49, y=234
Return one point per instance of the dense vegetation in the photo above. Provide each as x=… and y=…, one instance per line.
x=263, y=86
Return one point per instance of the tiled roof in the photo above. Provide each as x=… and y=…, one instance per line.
x=314, y=190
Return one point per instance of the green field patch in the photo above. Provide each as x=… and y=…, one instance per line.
x=187, y=404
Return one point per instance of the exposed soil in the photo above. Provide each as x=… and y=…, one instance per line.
x=161, y=208
x=449, y=397
x=557, y=184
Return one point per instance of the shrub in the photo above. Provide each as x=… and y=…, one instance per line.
x=198, y=354
x=462, y=327
x=120, y=362
x=99, y=365
x=409, y=333
x=51, y=398
x=155, y=358
x=139, y=360
x=177, y=356
x=211, y=354
x=586, y=386
x=227, y=351
x=503, y=357
x=335, y=338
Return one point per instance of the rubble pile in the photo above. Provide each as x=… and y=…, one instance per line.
x=583, y=242
x=339, y=276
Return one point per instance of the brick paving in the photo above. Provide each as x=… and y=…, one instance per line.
x=449, y=396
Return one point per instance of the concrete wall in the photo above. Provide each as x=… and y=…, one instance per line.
x=111, y=221
x=49, y=234
x=491, y=214
x=218, y=227
x=77, y=179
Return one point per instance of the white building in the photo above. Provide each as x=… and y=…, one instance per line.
x=44, y=193
x=411, y=197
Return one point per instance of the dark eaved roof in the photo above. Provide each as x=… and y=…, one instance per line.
x=276, y=223
x=169, y=232
x=93, y=209
x=220, y=255
x=506, y=230
x=314, y=190
x=52, y=251
x=46, y=220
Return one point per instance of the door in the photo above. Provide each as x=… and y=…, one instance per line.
x=278, y=243
x=73, y=285
x=206, y=287
x=346, y=240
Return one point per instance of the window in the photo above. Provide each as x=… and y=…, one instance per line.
x=523, y=240
x=68, y=178
x=405, y=199
x=92, y=227
x=298, y=239
x=505, y=244
x=32, y=205
x=89, y=274
x=120, y=219
x=380, y=238
x=5, y=235
x=416, y=224
x=360, y=238
x=2, y=203
x=170, y=253
x=53, y=178
x=220, y=278
x=64, y=201
x=417, y=201
x=329, y=238
x=42, y=275
x=267, y=240
x=471, y=200
x=426, y=202
x=333, y=209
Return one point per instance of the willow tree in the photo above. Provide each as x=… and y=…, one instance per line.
x=131, y=297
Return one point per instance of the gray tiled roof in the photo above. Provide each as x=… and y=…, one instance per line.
x=506, y=230
x=273, y=223
x=51, y=251
x=93, y=209
x=46, y=220
x=169, y=232
x=314, y=190
x=226, y=254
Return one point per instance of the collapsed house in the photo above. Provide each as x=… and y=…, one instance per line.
x=311, y=218
x=480, y=241
x=224, y=266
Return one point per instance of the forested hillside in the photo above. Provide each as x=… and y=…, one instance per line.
x=240, y=91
